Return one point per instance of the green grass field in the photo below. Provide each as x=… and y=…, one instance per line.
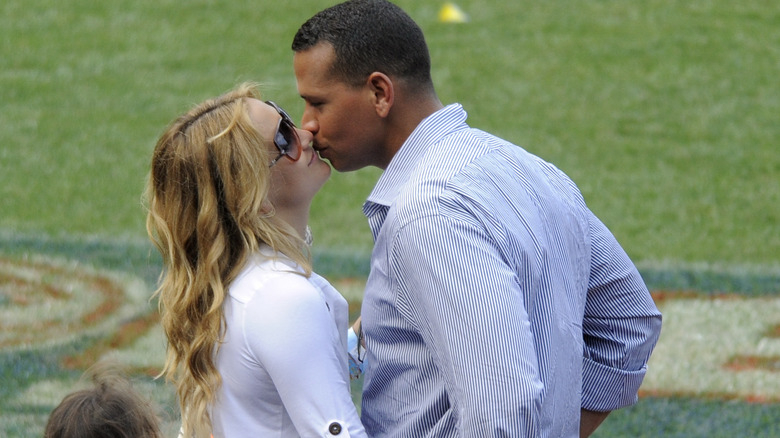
x=665, y=113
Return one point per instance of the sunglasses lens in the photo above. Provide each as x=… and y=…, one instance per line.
x=287, y=140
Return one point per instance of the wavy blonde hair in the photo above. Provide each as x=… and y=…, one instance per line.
x=207, y=212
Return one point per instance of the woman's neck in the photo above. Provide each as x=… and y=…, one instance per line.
x=297, y=218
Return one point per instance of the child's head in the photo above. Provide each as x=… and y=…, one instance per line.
x=111, y=408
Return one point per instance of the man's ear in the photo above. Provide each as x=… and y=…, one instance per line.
x=383, y=92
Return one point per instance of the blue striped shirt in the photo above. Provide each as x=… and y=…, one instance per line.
x=497, y=303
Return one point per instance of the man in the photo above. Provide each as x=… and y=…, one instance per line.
x=497, y=303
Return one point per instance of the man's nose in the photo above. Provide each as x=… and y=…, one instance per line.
x=309, y=122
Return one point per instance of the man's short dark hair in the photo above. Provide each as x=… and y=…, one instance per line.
x=369, y=36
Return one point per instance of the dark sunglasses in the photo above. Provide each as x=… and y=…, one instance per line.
x=285, y=138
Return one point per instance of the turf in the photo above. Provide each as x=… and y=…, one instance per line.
x=663, y=112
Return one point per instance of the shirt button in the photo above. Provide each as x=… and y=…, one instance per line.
x=334, y=428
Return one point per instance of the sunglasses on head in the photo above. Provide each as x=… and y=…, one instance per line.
x=285, y=138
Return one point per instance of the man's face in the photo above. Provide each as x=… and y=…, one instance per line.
x=342, y=117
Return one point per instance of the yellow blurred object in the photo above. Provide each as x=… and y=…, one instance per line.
x=450, y=13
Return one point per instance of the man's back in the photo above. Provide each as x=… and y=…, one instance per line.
x=474, y=307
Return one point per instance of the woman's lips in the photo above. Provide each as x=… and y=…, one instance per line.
x=318, y=151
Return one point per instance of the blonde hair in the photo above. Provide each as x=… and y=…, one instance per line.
x=207, y=212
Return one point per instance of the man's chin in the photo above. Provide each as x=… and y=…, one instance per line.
x=342, y=165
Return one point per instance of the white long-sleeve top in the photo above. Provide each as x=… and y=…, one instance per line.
x=284, y=358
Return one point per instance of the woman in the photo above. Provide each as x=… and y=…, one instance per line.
x=256, y=340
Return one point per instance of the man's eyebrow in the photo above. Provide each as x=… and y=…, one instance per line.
x=309, y=97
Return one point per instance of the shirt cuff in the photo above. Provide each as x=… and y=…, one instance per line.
x=606, y=389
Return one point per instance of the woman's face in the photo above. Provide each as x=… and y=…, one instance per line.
x=293, y=183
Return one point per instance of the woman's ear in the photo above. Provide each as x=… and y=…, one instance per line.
x=383, y=92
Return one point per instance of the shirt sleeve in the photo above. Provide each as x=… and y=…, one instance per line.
x=621, y=326
x=481, y=342
x=293, y=335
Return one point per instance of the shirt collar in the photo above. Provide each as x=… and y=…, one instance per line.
x=430, y=131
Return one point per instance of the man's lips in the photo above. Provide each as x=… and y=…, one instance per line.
x=319, y=150
x=316, y=153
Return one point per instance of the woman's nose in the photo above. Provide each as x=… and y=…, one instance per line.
x=305, y=136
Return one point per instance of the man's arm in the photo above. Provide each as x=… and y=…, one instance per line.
x=590, y=421
x=620, y=328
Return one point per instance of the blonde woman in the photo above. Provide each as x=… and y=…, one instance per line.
x=256, y=341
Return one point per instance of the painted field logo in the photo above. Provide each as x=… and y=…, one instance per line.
x=721, y=346
x=45, y=303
